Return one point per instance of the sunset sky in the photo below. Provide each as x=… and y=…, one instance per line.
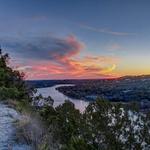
x=67, y=39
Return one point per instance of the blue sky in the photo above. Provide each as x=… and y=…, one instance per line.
x=116, y=31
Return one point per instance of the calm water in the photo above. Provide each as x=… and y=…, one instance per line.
x=59, y=98
x=8, y=117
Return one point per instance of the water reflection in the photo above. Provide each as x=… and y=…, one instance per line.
x=59, y=98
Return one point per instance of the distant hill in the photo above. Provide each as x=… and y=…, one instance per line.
x=49, y=83
x=136, y=77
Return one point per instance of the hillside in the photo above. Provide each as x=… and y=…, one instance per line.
x=103, y=125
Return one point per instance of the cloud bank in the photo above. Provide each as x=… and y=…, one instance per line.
x=57, y=58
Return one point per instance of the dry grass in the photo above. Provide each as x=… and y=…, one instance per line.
x=32, y=132
x=30, y=129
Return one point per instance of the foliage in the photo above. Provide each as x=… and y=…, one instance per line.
x=63, y=120
x=12, y=85
x=124, y=89
x=103, y=126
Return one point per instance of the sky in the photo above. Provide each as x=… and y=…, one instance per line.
x=76, y=39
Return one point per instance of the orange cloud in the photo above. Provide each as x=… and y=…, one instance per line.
x=63, y=61
x=71, y=68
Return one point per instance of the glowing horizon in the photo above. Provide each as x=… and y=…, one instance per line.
x=51, y=40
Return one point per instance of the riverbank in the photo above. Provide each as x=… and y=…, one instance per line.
x=59, y=97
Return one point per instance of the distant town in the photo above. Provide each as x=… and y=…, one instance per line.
x=125, y=89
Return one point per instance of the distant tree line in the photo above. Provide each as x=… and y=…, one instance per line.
x=103, y=125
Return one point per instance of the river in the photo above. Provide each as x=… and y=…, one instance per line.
x=8, y=117
x=59, y=97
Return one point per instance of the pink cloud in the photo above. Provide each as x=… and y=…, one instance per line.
x=114, y=46
x=65, y=63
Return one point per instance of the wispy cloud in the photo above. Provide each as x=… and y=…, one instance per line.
x=58, y=58
x=114, y=47
x=38, y=18
x=44, y=47
x=105, y=30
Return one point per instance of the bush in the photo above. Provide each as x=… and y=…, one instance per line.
x=12, y=85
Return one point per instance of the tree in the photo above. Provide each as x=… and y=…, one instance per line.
x=111, y=126
x=67, y=121
x=12, y=85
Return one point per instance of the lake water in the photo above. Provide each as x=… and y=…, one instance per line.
x=59, y=97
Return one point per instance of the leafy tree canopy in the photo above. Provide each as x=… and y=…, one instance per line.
x=12, y=85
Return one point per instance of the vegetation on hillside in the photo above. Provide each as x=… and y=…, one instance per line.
x=103, y=125
x=123, y=89
x=12, y=85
